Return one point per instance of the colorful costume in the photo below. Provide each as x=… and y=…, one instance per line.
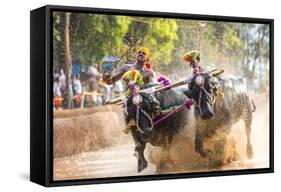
x=193, y=57
x=134, y=80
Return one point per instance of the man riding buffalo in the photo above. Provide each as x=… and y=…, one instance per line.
x=151, y=117
x=142, y=65
x=140, y=75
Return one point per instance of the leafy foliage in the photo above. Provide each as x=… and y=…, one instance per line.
x=241, y=48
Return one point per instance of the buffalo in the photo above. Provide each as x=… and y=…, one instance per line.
x=219, y=103
x=142, y=109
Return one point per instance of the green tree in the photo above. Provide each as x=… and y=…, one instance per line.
x=161, y=38
x=96, y=36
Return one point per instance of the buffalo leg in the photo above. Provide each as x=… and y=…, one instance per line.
x=219, y=152
x=248, y=122
x=199, y=145
x=167, y=151
x=142, y=163
x=139, y=150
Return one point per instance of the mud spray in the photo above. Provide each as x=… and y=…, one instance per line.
x=185, y=159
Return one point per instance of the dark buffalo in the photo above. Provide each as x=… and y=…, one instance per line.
x=215, y=117
x=161, y=134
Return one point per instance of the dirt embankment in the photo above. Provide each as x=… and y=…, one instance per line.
x=77, y=131
x=86, y=111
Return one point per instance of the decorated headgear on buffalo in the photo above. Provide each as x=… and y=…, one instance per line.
x=192, y=56
x=146, y=51
x=133, y=76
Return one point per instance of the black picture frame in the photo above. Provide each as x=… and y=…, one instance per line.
x=41, y=113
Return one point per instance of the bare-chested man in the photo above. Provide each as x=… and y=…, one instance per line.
x=143, y=56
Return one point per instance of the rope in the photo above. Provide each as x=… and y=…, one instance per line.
x=147, y=116
x=137, y=120
x=188, y=103
x=169, y=114
x=199, y=102
x=210, y=98
x=125, y=106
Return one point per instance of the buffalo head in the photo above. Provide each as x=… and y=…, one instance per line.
x=201, y=90
x=141, y=108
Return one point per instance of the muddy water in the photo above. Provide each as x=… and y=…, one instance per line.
x=119, y=160
x=108, y=162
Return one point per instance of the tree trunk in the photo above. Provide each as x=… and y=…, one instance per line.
x=68, y=59
x=220, y=29
x=258, y=48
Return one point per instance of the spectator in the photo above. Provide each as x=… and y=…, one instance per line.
x=57, y=99
x=62, y=80
x=77, y=91
x=56, y=73
x=77, y=87
x=57, y=88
